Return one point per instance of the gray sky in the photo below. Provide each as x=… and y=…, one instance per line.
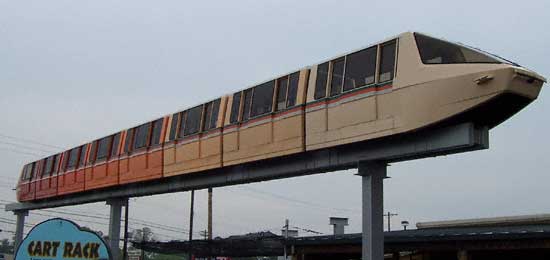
x=73, y=71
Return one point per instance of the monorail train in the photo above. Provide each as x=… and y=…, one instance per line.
x=403, y=84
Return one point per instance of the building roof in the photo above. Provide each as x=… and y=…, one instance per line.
x=436, y=234
x=268, y=244
x=485, y=222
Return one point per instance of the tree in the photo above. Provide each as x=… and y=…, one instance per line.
x=99, y=233
x=142, y=235
x=6, y=246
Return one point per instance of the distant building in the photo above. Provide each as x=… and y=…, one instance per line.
x=504, y=238
x=518, y=237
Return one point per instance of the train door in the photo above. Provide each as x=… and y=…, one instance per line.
x=343, y=97
x=104, y=171
x=25, y=188
x=72, y=180
x=143, y=155
x=46, y=185
x=265, y=121
x=195, y=141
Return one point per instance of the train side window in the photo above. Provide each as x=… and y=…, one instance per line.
x=157, y=128
x=174, y=127
x=211, y=114
x=103, y=147
x=360, y=68
x=387, y=61
x=34, y=170
x=57, y=161
x=321, y=81
x=114, y=146
x=193, y=120
x=24, y=172
x=47, y=167
x=215, y=113
x=247, y=104
x=262, y=100
x=28, y=171
x=93, y=152
x=292, y=89
x=282, y=90
x=40, y=169
x=337, y=77
x=65, y=161
x=141, y=136
x=128, y=141
x=82, y=156
x=182, y=124
x=235, y=106
x=207, y=115
x=73, y=158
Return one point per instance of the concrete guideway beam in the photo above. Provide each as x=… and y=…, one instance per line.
x=420, y=144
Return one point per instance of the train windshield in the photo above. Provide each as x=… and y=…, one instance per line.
x=436, y=51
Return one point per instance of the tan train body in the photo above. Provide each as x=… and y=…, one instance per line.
x=420, y=95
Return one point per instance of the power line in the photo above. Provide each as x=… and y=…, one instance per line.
x=7, y=186
x=308, y=230
x=95, y=222
x=31, y=141
x=76, y=219
x=307, y=203
x=26, y=147
x=21, y=152
x=8, y=231
x=12, y=222
x=139, y=221
x=136, y=221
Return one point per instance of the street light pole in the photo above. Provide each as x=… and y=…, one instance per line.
x=286, y=237
x=125, y=247
x=190, y=254
x=389, y=215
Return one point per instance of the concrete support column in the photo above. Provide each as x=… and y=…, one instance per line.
x=373, y=174
x=463, y=255
x=114, y=225
x=19, y=227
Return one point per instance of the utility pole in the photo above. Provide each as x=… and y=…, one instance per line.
x=389, y=215
x=209, y=235
x=286, y=237
x=190, y=254
x=210, y=213
x=204, y=234
x=143, y=239
x=125, y=247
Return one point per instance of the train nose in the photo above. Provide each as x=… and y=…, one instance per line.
x=525, y=82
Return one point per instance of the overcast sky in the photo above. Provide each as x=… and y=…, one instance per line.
x=73, y=71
